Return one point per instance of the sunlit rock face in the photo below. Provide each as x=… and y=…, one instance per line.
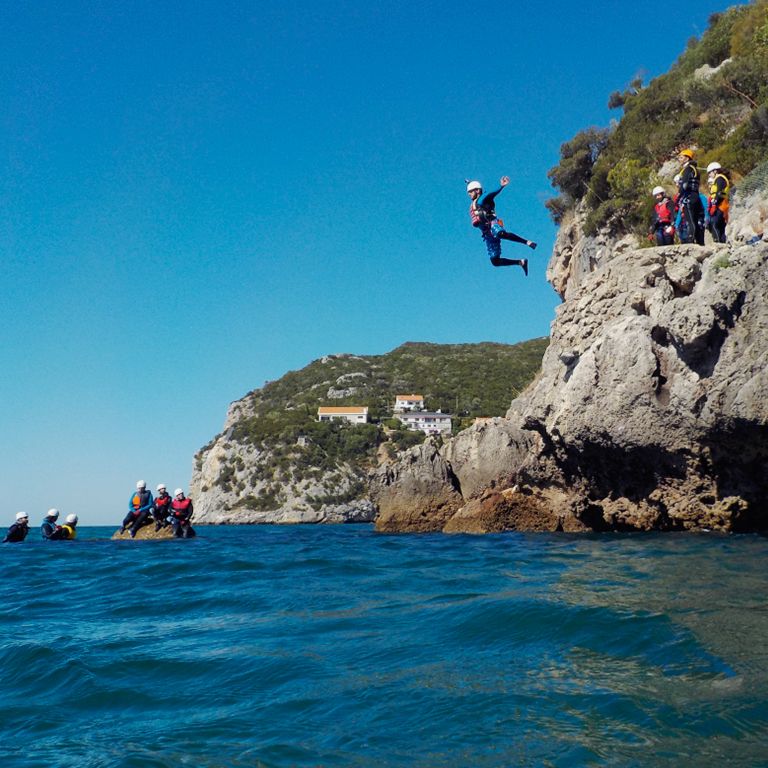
x=650, y=411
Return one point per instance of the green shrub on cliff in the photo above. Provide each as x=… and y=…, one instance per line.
x=724, y=113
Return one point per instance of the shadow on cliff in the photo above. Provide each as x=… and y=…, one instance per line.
x=734, y=462
x=739, y=464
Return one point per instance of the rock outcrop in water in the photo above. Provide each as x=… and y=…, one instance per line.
x=650, y=411
x=146, y=533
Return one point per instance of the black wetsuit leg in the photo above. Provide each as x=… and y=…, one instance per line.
x=500, y=261
x=139, y=521
x=504, y=235
x=717, y=226
x=128, y=520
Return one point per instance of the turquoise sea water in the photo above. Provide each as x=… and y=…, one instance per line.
x=337, y=646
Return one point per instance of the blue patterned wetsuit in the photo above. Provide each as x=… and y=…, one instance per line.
x=483, y=214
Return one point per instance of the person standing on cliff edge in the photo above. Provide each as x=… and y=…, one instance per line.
x=482, y=211
x=691, y=209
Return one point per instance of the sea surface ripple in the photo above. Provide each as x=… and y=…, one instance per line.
x=337, y=646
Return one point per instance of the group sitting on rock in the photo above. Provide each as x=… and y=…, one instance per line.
x=162, y=510
x=690, y=212
x=50, y=529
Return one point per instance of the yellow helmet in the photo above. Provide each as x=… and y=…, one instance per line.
x=687, y=152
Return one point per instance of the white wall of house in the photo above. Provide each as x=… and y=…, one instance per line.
x=429, y=423
x=408, y=403
x=353, y=415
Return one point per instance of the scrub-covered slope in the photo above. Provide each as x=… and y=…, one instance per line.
x=274, y=462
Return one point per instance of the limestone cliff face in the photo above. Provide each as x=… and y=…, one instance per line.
x=229, y=485
x=650, y=411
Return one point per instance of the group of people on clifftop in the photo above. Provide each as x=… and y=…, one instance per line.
x=687, y=215
x=690, y=212
x=49, y=529
x=162, y=510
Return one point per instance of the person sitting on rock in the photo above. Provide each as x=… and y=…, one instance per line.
x=482, y=211
x=50, y=529
x=181, y=514
x=663, y=226
x=69, y=529
x=719, y=187
x=139, y=508
x=18, y=531
x=162, y=507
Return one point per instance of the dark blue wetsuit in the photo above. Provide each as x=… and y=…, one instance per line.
x=691, y=207
x=161, y=509
x=49, y=530
x=483, y=214
x=16, y=532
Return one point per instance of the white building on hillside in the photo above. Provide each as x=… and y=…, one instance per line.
x=355, y=414
x=428, y=422
x=408, y=403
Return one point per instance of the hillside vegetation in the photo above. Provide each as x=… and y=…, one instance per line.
x=279, y=420
x=714, y=98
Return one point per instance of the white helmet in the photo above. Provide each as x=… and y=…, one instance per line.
x=71, y=519
x=658, y=191
x=21, y=516
x=474, y=185
x=53, y=512
x=677, y=178
x=140, y=485
x=161, y=487
x=178, y=491
x=713, y=167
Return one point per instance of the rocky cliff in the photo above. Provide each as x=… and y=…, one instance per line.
x=234, y=481
x=274, y=463
x=650, y=411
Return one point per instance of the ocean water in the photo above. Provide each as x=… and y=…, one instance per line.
x=337, y=646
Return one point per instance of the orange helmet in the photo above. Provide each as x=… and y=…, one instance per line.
x=687, y=152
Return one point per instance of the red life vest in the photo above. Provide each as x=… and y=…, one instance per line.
x=180, y=507
x=163, y=501
x=665, y=211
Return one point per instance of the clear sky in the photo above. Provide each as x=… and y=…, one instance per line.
x=199, y=196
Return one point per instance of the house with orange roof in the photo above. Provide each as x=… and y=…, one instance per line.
x=408, y=403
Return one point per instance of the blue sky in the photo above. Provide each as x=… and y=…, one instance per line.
x=198, y=197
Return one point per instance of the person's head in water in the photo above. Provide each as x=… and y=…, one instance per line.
x=474, y=189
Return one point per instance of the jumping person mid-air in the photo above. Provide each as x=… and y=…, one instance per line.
x=482, y=211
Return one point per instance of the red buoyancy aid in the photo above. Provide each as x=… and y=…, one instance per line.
x=163, y=501
x=477, y=214
x=139, y=500
x=665, y=211
x=180, y=507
